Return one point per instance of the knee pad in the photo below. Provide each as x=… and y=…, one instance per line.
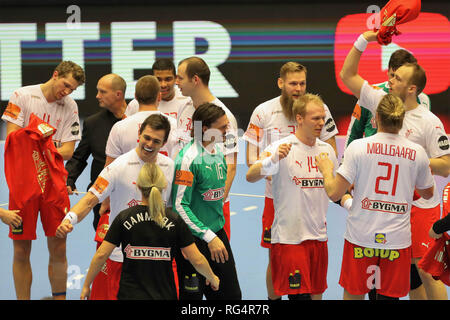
x=415, y=278
x=302, y=296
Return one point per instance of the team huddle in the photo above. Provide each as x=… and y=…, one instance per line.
x=163, y=166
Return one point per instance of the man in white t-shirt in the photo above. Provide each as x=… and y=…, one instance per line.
x=377, y=249
x=271, y=121
x=420, y=126
x=118, y=181
x=49, y=101
x=171, y=98
x=299, y=254
x=193, y=78
x=124, y=135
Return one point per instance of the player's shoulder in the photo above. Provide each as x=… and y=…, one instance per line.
x=358, y=145
x=322, y=145
x=270, y=104
x=164, y=161
x=27, y=93
x=424, y=115
x=188, y=153
x=290, y=139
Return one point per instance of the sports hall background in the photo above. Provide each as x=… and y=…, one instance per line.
x=246, y=42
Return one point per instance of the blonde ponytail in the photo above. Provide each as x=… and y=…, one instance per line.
x=151, y=181
x=391, y=113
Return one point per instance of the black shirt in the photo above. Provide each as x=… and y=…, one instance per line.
x=95, y=134
x=148, y=251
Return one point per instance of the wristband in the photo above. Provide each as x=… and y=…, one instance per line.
x=361, y=43
x=268, y=167
x=348, y=203
x=72, y=217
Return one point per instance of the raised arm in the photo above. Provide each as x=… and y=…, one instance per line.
x=349, y=72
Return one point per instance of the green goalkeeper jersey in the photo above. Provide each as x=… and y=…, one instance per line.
x=198, y=189
x=362, y=123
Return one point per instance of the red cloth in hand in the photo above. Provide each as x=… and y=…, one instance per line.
x=396, y=12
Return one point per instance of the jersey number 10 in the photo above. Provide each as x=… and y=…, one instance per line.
x=387, y=178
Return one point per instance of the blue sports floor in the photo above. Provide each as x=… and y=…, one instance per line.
x=251, y=259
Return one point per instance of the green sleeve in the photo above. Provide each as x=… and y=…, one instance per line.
x=182, y=196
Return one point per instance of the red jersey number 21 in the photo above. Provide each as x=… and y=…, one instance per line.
x=388, y=177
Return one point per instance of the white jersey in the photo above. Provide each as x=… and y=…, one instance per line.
x=61, y=114
x=185, y=125
x=124, y=135
x=420, y=126
x=299, y=198
x=269, y=124
x=169, y=108
x=118, y=181
x=385, y=168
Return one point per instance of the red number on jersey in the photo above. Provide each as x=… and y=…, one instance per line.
x=387, y=178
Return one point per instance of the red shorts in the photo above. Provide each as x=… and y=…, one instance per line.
x=387, y=270
x=99, y=284
x=113, y=272
x=421, y=222
x=299, y=268
x=267, y=220
x=226, y=215
x=51, y=217
x=106, y=284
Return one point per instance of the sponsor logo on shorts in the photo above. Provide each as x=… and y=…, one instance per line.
x=191, y=283
x=384, y=206
x=294, y=280
x=147, y=253
x=391, y=255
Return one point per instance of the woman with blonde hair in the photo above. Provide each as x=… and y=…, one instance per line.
x=149, y=235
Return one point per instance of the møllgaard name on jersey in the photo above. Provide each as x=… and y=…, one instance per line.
x=147, y=253
x=391, y=150
x=213, y=195
x=308, y=182
x=384, y=206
